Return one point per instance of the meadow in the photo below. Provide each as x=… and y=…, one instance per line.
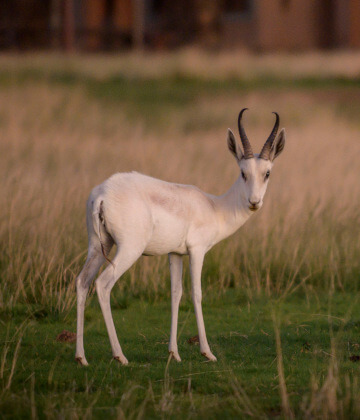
x=280, y=297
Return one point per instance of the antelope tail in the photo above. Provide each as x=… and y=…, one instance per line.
x=99, y=225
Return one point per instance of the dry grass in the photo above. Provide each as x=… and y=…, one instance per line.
x=194, y=62
x=56, y=144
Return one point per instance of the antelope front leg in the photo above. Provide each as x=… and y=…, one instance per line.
x=196, y=262
x=175, y=262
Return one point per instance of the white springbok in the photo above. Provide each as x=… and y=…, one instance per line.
x=146, y=216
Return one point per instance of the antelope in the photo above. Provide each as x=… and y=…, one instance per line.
x=147, y=216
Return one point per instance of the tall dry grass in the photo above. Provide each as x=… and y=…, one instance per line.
x=57, y=143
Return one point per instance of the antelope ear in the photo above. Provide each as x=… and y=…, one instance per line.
x=278, y=145
x=233, y=146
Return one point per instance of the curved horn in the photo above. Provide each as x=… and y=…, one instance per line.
x=265, y=152
x=248, y=153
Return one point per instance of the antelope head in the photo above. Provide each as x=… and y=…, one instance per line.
x=255, y=169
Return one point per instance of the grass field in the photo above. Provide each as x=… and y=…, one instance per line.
x=280, y=297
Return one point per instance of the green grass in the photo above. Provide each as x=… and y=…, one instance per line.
x=241, y=333
x=157, y=100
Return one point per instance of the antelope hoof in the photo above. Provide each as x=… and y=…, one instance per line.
x=121, y=359
x=82, y=361
x=175, y=355
x=209, y=356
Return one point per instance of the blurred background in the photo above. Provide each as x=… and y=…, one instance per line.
x=113, y=25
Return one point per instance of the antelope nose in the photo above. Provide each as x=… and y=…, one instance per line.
x=253, y=202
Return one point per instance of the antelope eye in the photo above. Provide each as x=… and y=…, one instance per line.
x=267, y=174
x=243, y=175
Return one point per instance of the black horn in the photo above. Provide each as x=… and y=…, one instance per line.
x=265, y=152
x=248, y=153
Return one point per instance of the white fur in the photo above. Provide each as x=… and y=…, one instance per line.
x=147, y=216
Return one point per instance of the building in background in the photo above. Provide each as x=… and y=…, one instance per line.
x=100, y=25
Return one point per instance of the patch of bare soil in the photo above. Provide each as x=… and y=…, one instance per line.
x=66, y=337
x=193, y=340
